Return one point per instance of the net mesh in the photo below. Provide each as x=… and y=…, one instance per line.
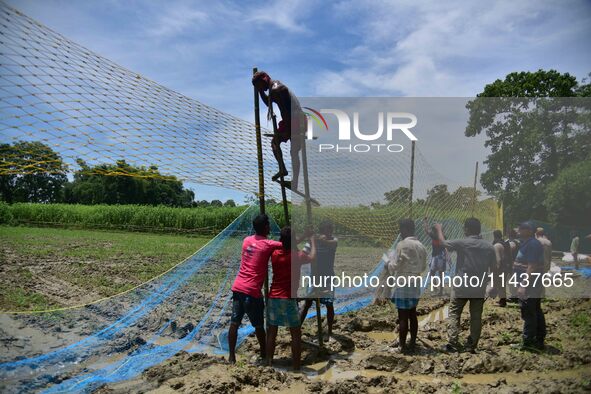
x=84, y=106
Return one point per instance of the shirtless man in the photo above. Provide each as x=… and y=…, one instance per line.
x=293, y=120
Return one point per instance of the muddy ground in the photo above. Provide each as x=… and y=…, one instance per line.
x=44, y=268
x=361, y=358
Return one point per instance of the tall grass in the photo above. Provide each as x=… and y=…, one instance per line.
x=379, y=224
x=206, y=220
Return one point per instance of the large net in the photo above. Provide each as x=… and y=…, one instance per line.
x=84, y=106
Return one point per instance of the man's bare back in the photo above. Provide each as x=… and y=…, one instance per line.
x=285, y=101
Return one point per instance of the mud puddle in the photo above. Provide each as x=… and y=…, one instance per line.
x=332, y=374
x=436, y=315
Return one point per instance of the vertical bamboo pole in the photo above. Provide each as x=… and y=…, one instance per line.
x=257, y=124
x=309, y=222
x=474, y=196
x=285, y=206
x=282, y=180
x=412, y=176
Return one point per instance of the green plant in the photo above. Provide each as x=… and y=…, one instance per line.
x=582, y=322
x=5, y=214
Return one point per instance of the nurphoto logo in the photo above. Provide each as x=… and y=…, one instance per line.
x=395, y=122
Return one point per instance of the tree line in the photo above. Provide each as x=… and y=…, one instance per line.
x=33, y=172
x=439, y=195
x=538, y=128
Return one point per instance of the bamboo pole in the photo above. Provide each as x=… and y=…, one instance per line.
x=257, y=123
x=474, y=196
x=412, y=176
x=282, y=179
x=309, y=222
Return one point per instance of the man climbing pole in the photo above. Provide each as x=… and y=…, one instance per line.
x=293, y=122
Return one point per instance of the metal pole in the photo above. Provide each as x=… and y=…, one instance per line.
x=309, y=222
x=412, y=175
x=257, y=123
x=475, y=180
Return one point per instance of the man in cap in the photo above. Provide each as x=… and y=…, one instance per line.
x=530, y=261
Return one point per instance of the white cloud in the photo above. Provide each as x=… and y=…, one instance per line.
x=176, y=19
x=284, y=14
x=450, y=48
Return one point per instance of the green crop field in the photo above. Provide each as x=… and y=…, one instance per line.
x=160, y=219
x=205, y=220
x=101, y=250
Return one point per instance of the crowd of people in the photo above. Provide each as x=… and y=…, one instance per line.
x=515, y=258
x=525, y=250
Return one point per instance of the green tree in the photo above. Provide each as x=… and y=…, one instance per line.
x=533, y=133
x=122, y=183
x=31, y=172
x=464, y=196
x=202, y=203
x=568, y=197
x=438, y=195
x=402, y=194
x=230, y=203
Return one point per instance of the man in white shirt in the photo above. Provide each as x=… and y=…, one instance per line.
x=409, y=261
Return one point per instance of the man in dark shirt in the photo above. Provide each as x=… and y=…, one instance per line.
x=476, y=258
x=326, y=248
x=530, y=260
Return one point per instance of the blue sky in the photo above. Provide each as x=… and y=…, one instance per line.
x=206, y=50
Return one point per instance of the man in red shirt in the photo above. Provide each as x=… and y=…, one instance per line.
x=283, y=309
x=247, y=296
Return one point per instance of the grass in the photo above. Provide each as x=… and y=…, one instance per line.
x=581, y=322
x=102, y=245
x=505, y=338
x=101, y=262
x=21, y=299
